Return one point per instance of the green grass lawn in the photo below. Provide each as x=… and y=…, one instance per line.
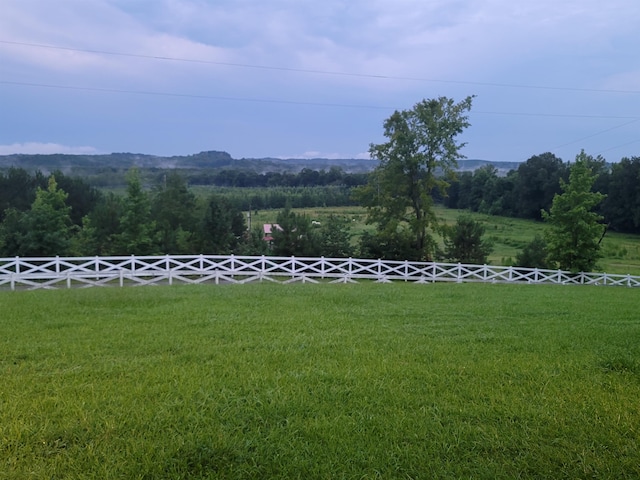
x=621, y=253
x=320, y=381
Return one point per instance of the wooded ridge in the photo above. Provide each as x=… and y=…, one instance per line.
x=88, y=165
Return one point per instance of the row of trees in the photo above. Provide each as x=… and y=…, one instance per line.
x=171, y=219
x=525, y=192
x=168, y=219
x=307, y=177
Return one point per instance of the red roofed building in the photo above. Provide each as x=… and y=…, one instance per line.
x=268, y=229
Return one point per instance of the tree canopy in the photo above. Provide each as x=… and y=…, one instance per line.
x=415, y=163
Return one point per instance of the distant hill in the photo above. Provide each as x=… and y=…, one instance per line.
x=90, y=165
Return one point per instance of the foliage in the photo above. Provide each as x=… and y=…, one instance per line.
x=173, y=208
x=621, y=208
x=464, y=242
x=537, y=183
x=42, y=231
x=521, y=193
x=18, y=189
x=415, y=162
x=137, y=228
x=534, y=254
x=573, y=238
x=321, y=381
x=335, y=237
x=294, y=235
x=82, y=198
x=261, y=198
x=394, y=245
x=101, y=227
x=254, y=243
x=222, y=228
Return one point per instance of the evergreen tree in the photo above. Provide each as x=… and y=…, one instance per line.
x=44, y=230
x=534, y=254
x=464, y=242
x=575, y=230
x=173, y=209
x=295, y=236
x=335, y=237
x=222, y=228
x=137, y=230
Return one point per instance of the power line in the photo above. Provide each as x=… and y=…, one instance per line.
x=618, y=146
x=317, y=72
x=293, y=102
x=191, y=95
x=598, y=133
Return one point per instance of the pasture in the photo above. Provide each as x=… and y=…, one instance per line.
x=320, y=381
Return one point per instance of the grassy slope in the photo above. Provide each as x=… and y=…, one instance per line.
x=621, y=253
x=328, y=381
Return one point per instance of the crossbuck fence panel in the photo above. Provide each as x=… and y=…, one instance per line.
x=34, y=273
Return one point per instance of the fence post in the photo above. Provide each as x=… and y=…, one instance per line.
x=168, y=268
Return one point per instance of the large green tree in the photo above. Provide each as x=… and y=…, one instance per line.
x=42, y=231
x=537, y=182
x=574, y=233
x=415, y=163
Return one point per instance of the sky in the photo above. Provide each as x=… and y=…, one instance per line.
x=309, y=78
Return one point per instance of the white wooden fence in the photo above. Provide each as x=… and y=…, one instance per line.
x=58, y=272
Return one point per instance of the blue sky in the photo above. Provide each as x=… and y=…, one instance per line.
x=309, y=78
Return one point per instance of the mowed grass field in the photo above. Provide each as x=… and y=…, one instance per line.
x=320, y=381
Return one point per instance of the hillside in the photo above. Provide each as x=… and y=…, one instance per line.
x=91, y=165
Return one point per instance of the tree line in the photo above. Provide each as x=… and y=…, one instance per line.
x=530, y=189
x=60, y=215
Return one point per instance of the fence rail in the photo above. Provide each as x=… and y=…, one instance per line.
x=70, y=272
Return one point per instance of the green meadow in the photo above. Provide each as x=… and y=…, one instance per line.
x=320, y=381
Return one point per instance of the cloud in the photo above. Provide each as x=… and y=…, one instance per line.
x=34, y=148
x=493, y=48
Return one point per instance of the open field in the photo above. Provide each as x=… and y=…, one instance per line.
x=509, y=235
x=320, y=381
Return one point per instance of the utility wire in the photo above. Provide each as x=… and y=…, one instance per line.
x=618, y=146
x=190, y=95
x=598, y=133
x=294, y=102
x=317, y=72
